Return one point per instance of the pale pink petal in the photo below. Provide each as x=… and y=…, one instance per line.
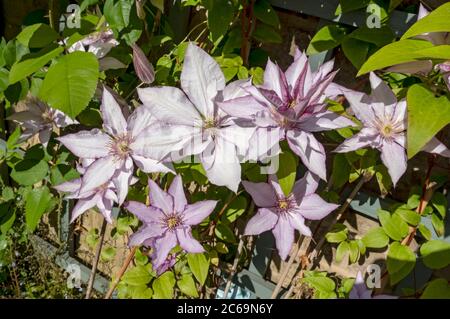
x=99, y=172
x=272, y=78
x=148, y=165
x=70, y=186
x=394, y=158
x=264, y=220
x=262, y=193
x=325, y=121
x=313, y=207
x=187, y=242
x=311, y=152
x=146, y=232
x=159, y=198
x=113, y=120
x=163, y=245
x=139, y=120
x=242, y=107
x=381, y=92
x=305, y=186
x=83, y=205
x=157, y=141
x=167, y=104
x=177, y=192
x=264, y=143
x=147, y=214
x=284, y=236
x=221, y=164
x=201, y=79
x=122, y=179
x=110, y=63
x=87, y=144
x=365, y=138
x=195, y=213
x=298, y=222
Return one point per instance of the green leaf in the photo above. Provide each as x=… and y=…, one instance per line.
x=264, y=12
x=158, y=4
x=4, y=79
x=37, y=35
x=266, y=34
x=342, y=249
x=224, y=232
x=117, y=13
x=7, y=217
x=437, y=21
x=33, y=63
x=323, y=284
x=70, y=84
x=341, y=170
x=426, y=233
x=409, y=216
x=378, y=36
x=29, y=171
x=354, y=251
x=163, y=286
x=438, y=224
x=336, y=237
x=137, y=276
x=437, y=289
x=393, y=225
x=375, y=238
x=37, y=202
x=439, y=202
x=394, y=53
x=199, y=265
x=436, y=254
x=352, y=5
x=220, y=16
x=383, y=179
x=356, y=51
x=425, y=122
x=400, y=261
x=235, y=209
x=140, y=292
x=327, y=38
x=287, y=171
x=108, y=253
x=62, y=173
x=187, y=285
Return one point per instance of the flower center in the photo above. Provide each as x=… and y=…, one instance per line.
x=209, y=123
x=173, y=221
x=387, y=130
x=284, y=204
x=292, y=104
x=121, y=146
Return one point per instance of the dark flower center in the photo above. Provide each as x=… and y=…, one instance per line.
x=285, y=204
x=173, y=221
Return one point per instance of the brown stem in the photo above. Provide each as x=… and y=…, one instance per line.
x=293, y=256
x=95, y=262
x=233, y=268
x=120, y=273
x=247, y=26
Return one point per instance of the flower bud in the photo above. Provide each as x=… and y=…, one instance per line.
x=142, y=66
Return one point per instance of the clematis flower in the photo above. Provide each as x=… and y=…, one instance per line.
x=103, y=197
x=168, y=220
x=197, y=124
x=170, y=261
x=40, y=119
x=384, y=127
x=360, y=291
x=283, y=214
x=290, y=105
x=99, y=43
x=114, y=150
